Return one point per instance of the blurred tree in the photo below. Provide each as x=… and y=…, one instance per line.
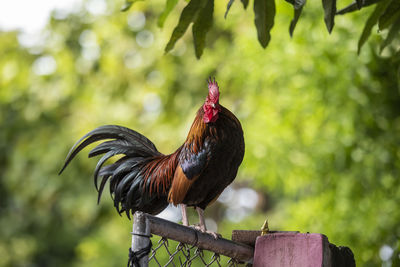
x=321, y=128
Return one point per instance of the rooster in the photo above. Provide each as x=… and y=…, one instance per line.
x=144, y=179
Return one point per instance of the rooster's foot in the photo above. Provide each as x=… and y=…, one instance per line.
x=199, y=228
x=214, y=234
x=196, y=227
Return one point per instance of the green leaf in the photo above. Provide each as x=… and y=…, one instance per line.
x=372, y=20
x=393, y=33
x=168, y=8
x=228, y=7
x=264, y=11
x=330, y=12
x=245, y=3
x=298, y=8
x=354, y=6
x=391, y=14
x=293, y=23
x=188, y=15
x=201, y=26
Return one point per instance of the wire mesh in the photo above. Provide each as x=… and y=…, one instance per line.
x=167, y=253
x=177, y=245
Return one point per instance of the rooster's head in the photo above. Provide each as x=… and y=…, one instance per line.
x=211, y=106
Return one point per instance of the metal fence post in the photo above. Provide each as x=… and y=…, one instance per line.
x=141, y=238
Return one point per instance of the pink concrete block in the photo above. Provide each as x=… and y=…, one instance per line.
x=292, y=249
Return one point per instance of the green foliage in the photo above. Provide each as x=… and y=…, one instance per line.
x=298, y=8
x=391, y=13
x=201, y=26
x=356, y=5
x=392, y=34
x=264, y=18
x=372, y=20
x=385, y=15
x=264, y=14
x=189, y=14
x=330, y=12
x=168, y=8
x=322, y=128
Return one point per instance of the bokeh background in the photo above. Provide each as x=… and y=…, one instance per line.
x=322, y=127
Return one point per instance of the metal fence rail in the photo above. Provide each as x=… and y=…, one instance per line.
x=192, y=245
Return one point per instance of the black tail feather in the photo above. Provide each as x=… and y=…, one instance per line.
x=106, y=172
x=140, y=142
x=126, y=175
x=100, y=163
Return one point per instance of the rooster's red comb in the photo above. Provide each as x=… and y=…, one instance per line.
x=213, y=90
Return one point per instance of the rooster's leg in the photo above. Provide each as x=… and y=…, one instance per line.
x=185, y=220
x=202, y=224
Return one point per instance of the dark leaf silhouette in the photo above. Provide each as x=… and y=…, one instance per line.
x=264, y=11
x=371, y=22
x=201, y=26
x=330, y=12
x=188, y=15
x=228, y=7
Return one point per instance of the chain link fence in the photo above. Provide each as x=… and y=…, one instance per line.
x=177, y=245
x=180, y=254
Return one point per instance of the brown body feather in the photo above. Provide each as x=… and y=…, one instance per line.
x=161, y=171
x=180, y=186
